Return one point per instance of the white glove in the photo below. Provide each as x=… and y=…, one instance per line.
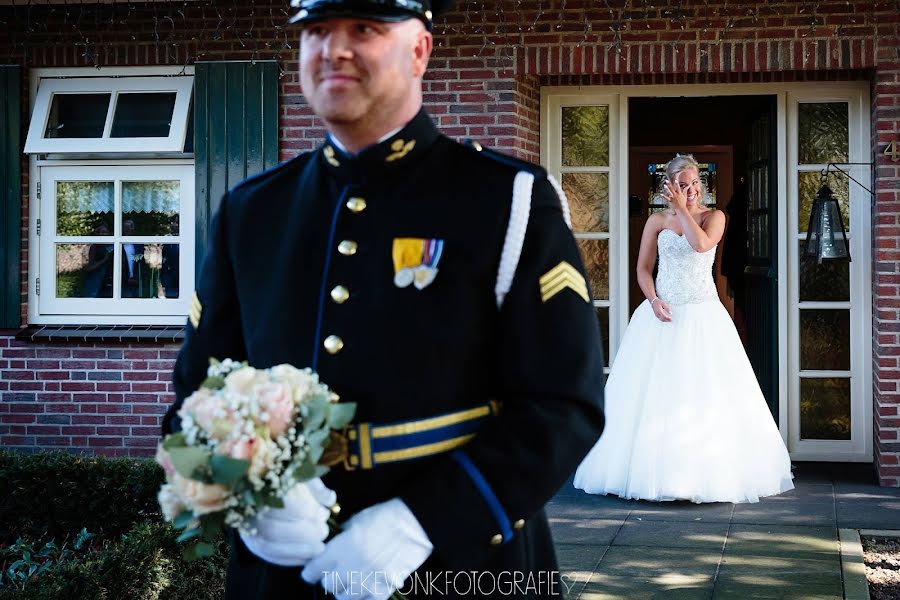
x=378, y=549
x=292, y=535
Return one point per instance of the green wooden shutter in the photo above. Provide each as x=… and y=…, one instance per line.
x=10, y=197
x=235, y=131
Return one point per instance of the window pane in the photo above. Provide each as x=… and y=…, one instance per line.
x=588, y=195
x=825, y=339
x=150, y=270
x=150, y=207
x=825, y=409
x=143, y=115
x=826, y=282
x=84, y=207
x=585, y=136
x=603, y=321
x=595, y=254
x=84, y=270
x=824, y=133
x=809, y=184
x=77, y=116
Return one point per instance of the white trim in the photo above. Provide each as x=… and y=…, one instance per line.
x=859, y=446
x=551, y=153
x=97, y=310
x=181, y=85
x=617, y=97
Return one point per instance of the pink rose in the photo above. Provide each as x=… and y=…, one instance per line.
x=200, y=406
x=170, y=502
x=200, y=497
x=277, y=401
x=163, y=460
x=253, y=449
x=240, y=381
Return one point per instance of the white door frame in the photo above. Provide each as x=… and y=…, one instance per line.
x=617, y=97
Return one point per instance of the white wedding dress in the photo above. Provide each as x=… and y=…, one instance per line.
x=686, y=419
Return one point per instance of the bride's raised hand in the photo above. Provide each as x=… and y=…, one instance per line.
x=673, y=194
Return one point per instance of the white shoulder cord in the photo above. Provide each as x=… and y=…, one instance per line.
x=515, y=234
x=563, y=201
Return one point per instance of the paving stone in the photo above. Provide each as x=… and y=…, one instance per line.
x=798, y=512
x=671, y=534
x=718, y=512
x=781, y=540
x=661, y=587
x=584, y=530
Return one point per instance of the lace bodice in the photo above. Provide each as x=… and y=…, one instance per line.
x=685, y=276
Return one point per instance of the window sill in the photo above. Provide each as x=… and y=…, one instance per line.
x=120, y=334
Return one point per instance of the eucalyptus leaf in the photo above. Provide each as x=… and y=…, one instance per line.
x=174, y=440
x=315, y=453
x=305, y=471
x=340, y=414
x=188, y=460
x=203, y=549
x=318, y=438
x=183, y=520
x=188, y=534
x=226, y=470
x=318, y=409
x=217, y=382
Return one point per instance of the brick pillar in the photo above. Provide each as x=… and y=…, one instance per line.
x=886, y=261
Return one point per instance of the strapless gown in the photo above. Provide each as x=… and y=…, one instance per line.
x=686, y=419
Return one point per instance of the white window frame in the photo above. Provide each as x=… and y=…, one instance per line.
x=860, y=303
x=551, y=157
x=182, y=85
x=860, y=447
x=177, y=309
x=51, y=305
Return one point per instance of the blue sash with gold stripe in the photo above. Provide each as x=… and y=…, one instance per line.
x=371, y=445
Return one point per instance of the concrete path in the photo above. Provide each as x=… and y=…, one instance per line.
x=785, y=547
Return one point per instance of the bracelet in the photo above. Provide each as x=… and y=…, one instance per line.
x=654, y=300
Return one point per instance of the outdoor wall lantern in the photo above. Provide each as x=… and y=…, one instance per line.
x=826, y=238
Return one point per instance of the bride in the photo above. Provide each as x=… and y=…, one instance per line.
x=686, y=419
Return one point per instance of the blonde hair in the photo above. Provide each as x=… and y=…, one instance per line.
x=681, y=163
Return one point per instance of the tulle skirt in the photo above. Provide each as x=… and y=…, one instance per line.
x=686, y=419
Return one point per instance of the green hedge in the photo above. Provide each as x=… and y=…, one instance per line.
x=56, y=495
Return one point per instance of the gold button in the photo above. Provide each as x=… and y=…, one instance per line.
x=340, y=294
x=476, y=145
x=335, y=509
x=348, y=247
x=519, y=524
x=333, y=344
x=497, y=540
x=356, y=204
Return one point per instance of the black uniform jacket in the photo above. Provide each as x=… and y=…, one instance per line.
x=300, y=268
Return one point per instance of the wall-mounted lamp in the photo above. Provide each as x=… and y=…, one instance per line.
x=826, y=238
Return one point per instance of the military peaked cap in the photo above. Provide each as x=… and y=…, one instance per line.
x=379, y=10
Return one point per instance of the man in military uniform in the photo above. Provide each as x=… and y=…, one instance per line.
x=436, y=285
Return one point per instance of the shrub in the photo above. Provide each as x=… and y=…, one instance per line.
x=59, y=495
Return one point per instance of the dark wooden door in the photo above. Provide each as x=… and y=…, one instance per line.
x=761, y=272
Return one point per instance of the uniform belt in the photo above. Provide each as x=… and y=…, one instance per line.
x=371, y=445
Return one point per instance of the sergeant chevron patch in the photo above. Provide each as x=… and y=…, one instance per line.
x=196, y=310
x=560, y=277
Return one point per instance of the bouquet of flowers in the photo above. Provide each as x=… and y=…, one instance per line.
x=248, y=436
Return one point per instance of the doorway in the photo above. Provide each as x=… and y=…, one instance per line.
x=730, y=138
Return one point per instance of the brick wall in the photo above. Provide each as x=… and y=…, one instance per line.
x=487, y=69
x=84, y=398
